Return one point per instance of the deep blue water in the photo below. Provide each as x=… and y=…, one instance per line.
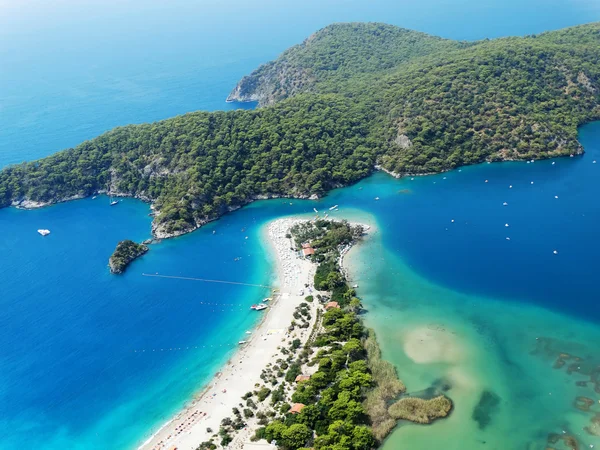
x=472, y=253
x=73, y=370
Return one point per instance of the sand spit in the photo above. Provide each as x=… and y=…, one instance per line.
x=188, y=429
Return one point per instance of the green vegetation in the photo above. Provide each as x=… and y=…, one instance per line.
x=124, y=254
x=387, y=387
x=420, y=410
x=333, y=395
x=351, y=97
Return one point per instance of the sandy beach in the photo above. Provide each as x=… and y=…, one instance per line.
x=188, y=429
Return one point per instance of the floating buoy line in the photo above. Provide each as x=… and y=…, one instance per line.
x=178, y=349
x=173, y=277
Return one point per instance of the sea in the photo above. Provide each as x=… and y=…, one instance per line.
x=494, y=304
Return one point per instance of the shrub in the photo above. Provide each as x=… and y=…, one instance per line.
x=263, y=394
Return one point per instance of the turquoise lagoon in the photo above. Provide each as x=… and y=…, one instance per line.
x=94, y=361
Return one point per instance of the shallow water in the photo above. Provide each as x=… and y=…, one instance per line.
x=481, y=345
x=485, y=332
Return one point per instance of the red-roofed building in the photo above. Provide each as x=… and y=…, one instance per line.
x=332, y=305
x=300, y=378
x=296, y=408
x=308, y=251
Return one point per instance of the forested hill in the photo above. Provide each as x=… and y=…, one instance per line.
x=376, y=95
x=337, y=52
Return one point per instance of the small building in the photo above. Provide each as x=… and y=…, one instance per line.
x=300, y=378
x=296, y=408
x=306, y=245
x=308, y=251
x=332, y=305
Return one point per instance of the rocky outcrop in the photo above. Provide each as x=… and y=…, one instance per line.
x=26, y=203
x=270, y=83
x=584, y=81
x=403, y=141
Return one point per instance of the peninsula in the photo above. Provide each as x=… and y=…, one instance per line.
x=350, y=99
x=311, y=374
x=124, y=254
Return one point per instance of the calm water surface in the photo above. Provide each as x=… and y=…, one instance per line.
x=94, y=361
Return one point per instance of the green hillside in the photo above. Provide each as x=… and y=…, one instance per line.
x=375, y=95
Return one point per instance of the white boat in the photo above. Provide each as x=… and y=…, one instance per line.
x=44, y=232
x=333, y=207
x=260, y=307
x=354, y=286
x=113, y=202
x=316, y=210
x=504, y=204
x=268, y=299
x=376, y=198
x=94, y=197
x=242, y=342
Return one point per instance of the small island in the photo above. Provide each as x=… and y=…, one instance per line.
x=124, y=254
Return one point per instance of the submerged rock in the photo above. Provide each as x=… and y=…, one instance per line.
x=594, y=427
x=485, y=408
x=583, y=403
